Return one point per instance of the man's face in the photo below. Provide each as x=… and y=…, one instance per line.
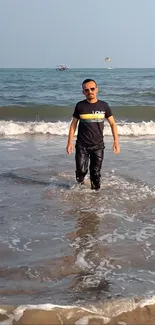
x=90, y=90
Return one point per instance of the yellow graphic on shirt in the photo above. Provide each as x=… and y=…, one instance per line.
x=96, y=117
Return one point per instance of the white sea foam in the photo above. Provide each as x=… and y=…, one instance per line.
x=61, y=128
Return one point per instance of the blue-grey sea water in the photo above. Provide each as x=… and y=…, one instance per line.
x=60, y=243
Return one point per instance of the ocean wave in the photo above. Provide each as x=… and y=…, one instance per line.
x=54, y=113
x=132, y=93
x=147, y=93
x=11, y=128
x=122, y=312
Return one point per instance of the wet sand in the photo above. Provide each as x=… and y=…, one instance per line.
x=138, y=313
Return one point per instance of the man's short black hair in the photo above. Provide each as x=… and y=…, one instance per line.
x=88, y=80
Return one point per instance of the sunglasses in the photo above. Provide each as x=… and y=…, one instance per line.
x=87, y=90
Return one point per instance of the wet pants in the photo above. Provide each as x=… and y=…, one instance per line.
x=82, y=156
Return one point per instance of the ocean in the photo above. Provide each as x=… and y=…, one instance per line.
x=69, y=255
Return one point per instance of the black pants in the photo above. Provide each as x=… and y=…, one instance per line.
x=82, y=156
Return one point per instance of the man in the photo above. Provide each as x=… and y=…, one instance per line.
x=89, y=144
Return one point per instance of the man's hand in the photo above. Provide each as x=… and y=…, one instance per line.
x=116, y=148
x=69, y=148
x=72, y=129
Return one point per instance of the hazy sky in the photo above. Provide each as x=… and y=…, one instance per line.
x=78, y=33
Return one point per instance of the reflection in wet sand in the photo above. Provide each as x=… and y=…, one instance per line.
x=87, y=252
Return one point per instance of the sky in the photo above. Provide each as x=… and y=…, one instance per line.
x=78, y=33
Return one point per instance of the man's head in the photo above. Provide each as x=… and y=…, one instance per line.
x=90, y=90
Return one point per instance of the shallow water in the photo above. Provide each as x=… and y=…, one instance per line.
x=66, y=244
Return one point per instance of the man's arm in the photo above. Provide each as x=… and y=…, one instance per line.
x=72, y=129
x=116, y=147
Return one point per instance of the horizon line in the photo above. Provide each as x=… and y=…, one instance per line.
x=72, y=68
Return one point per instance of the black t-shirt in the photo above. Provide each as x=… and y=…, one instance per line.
x=91, y=121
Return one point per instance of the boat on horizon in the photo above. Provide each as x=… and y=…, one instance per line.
x=62, y=67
